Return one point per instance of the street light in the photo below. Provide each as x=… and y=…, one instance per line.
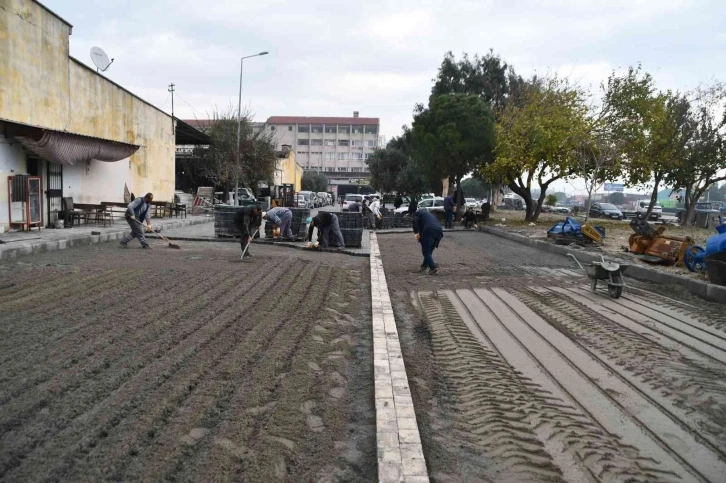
x=239, y=121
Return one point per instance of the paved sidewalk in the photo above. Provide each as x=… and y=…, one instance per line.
x=13, y=245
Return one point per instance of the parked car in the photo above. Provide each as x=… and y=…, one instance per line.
x=561, y=209
x=640, y=207
x=351, y=199
x=704, y=210
x=472, y=203
x=605, y=210
x=307, y=201
x=432, y=204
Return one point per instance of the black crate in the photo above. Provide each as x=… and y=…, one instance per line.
x=352, y=237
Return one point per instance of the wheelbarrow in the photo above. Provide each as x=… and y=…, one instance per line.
x=611, y=272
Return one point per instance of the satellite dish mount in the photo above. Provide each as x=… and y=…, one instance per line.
x=100, y=59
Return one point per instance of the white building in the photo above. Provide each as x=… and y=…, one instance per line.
x=337, y=146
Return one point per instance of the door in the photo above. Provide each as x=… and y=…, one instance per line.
x=54, y=191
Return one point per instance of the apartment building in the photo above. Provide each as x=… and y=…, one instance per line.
x=337, y=146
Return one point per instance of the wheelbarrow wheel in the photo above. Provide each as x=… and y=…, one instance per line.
x=593, y=284
x=615, y=291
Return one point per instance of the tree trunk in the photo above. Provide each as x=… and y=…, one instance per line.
x=496, y=197
x=459, y=197
x=588, y=205
x=653, y=197
x=538, y=208
x=526, y=194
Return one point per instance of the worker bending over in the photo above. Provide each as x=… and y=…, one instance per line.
x=281, y=218
x=327, y=224
x=469, y=219
x=136, y=213
x=247, y=220
x=376, y=215
x=429, y=234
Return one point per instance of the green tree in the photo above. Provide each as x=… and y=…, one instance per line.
x=453, y=135
x=705, y=161
x=475, y=188
x=551, y=200
x=393, y=170
x=538, y=136
x=616, y=198
x=314, y=181
x=599, y=160
x=218, y=161
x=654, y=127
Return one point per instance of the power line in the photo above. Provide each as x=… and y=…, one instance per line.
x=185, y=101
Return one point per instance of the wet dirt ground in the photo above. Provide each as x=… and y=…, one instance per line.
x=186, y=365
x=520, y=373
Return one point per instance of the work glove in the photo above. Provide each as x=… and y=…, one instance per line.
x=149, y=229
x=418, y=237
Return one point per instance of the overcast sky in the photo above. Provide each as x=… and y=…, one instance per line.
x=329, y=58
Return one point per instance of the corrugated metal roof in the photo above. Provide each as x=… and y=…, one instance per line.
x=370, y=121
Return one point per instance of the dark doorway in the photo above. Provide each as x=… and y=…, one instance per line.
x=54, y=191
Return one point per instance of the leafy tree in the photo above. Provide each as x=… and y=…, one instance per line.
x=453, y=135
x=599, y=160
x=489, y=77
x=218, y=161
x=393, y=170
x=616, y=198
x=314, y=181
x=653, y=126
x=538, y=136
x=705, y=159
x=717, y=192
x=476, y=188
x=551, y=200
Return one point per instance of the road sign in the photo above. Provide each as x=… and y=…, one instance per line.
x=614, y=187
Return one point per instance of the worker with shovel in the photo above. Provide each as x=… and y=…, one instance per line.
x=136, y=213
x=428, y=233
x=282, y=219
x=246, y=220
x=326, y=223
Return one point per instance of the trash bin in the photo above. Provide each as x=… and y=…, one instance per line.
x=702, y=220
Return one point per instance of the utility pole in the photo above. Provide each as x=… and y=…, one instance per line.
x=171, y=89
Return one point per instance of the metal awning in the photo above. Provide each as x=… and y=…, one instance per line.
x=69, y=149
x=186, y=135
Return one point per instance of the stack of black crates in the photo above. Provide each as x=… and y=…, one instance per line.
x=351, y=226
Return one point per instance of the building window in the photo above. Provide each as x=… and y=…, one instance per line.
x=342, y=156
x=317, y=168
x=303, y=142
x=342, y=170
x=330, y=169
x=289, y=128
x=316, y=153
x=356, y=144
x=329, y=155
x=303, y=128
x=330, y=129
x=370, y=144
x=371, y=129
x=272, y=128
x=343, y=142
x=316, y=142
x=357, y=129
x=357, y=156
x=317, y=128
x=367, y=155
x=357, y=170
x=343, y=129
x=330, y=142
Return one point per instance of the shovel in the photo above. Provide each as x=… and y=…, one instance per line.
x=248, y=244
x=171, y=245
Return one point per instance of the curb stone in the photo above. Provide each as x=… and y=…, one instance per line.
x=11, y=253
x=400, y=453
x=708, y=291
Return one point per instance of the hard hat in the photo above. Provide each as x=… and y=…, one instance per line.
x=309, y=220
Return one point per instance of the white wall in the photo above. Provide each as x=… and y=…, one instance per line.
x=97, y=181
x=12, y=162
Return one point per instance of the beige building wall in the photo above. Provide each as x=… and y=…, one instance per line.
x=289, y=172
x=41, y=86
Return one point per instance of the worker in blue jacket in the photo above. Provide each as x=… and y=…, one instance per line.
x=429, y=234
x=281, y=217
x=449, y=205
x=136, y=213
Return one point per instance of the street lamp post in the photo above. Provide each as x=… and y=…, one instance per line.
x=239, y=123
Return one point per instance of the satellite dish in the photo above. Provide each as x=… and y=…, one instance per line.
x=100, y=59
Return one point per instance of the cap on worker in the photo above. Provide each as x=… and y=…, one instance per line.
x=309, y=220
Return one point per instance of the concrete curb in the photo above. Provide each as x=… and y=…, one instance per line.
x=705, y=290
x=400, y=453
x=262, y=242
x=13, y=252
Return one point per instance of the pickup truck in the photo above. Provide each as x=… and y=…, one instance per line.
x=640, y=207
